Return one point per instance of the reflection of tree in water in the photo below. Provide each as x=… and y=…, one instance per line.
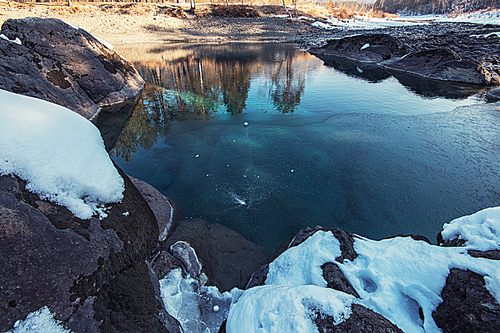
x=207, y=80
x=287, y=87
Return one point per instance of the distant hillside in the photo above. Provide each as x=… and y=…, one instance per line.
x=433, y=6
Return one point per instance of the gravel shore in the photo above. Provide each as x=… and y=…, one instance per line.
x=137, y=23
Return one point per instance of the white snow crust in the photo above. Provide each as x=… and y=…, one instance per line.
x=481, y=230
x=59, y=153
x=393, y=277
x=41, y=321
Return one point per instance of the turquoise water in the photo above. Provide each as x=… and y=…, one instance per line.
x=322, y=146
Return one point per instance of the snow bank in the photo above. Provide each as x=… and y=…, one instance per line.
x=59, y=153
x=41, y=321
x=288, y=309
x=394, y=277
x=367, y=22
x=481, y=230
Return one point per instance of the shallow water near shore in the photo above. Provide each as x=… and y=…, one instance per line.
x=266, y=139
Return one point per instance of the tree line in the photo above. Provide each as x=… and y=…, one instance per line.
x=433, y=6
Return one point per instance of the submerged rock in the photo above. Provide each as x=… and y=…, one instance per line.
x=90, y=273
x=54, y=61
x=228, y=258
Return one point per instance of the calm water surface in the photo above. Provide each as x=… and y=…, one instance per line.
x=336, y=146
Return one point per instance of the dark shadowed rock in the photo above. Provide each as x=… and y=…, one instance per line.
x=164, y=262
x=443, y=64
x=361, y=319
x=494, y=94
x=65, y=65
x=369, y=48
x=335, y=279
x=166, y=211
x=228, y=258
x=187, y=256
x=467, y=305
x=51, y=258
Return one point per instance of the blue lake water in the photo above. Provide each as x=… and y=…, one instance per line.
x=342, y=147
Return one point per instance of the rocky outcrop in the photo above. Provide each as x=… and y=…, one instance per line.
x=228, y=258
x=443, y=64
x=63, y=64
x=90, y=273
x=166, y=211
x=369, y=48
x=390, y=54
x=467, y=305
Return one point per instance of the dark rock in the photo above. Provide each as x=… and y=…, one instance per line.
x=164, y=263
x=259, y=277
x=368, y=48
x=65, y=65
x=187, y=256
x=494, y=94
x=50, y=258
x=442, y=64
x=228, y=258
x=166, y=211
x=345, y=238
x=361, y=319
x=335, y=279
x=467, y=305
x=449, y=243
x=491, y=254
x=128, y=303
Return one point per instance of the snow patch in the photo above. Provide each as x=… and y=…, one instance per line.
x=15, y=41
x=59, y=153
x=481, y=230
x=41, y=321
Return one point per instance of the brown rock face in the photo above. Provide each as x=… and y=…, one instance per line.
x=90, y=273
x=65, y=65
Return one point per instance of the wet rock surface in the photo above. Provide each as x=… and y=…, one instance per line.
x=474, y=49
x=53, y=61
x=90, y=273
x=228, y=259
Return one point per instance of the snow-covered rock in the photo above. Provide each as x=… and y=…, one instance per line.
x=73, y=229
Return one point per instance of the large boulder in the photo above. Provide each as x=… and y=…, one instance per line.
x=54, y=61
x=90, y=273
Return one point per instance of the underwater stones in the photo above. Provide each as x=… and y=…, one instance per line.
x=64, y=64
x=228, y=258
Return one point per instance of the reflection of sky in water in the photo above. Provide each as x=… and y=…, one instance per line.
x=371, y=158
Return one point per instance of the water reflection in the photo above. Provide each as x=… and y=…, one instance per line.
x=358, y=152
x=187, y=79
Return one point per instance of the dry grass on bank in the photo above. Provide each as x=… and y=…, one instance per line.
x=183, y=10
